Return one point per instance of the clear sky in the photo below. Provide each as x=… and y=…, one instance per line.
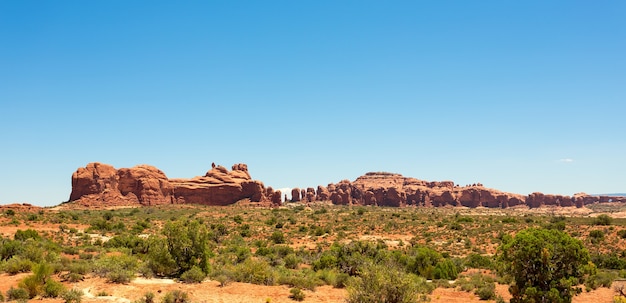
x=521, y=96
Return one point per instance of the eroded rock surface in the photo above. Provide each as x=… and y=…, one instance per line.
x=99, y=183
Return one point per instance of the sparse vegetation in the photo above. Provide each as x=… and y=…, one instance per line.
x=300, y=247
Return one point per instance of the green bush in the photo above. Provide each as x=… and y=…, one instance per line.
x=116, y=268
x=22, y=235
x=194, y=275
x=278, y=237
x=17, y=294
x=600, y=279
x=445, y=269
x=53, y=289
x=72, y=296
x=176, y=296
x=558, y=262
x=602, y=220
x=486, y=292
x=380, y=283
x=255, y=272
x=297, y=294
x=17, y=265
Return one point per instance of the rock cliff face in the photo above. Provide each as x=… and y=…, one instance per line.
x=388, y=189
x=102, y=184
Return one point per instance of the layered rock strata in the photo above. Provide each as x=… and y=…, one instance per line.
x=99, y=183
x=388, y=189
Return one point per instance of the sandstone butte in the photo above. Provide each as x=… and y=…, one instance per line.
x=102, y=185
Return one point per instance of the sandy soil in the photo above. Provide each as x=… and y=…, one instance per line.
x=211, y=292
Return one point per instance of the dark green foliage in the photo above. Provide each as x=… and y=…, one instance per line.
x=116, y=269
x=602, y=220
x=53, y=289
x=187, y=244
x=194, y=275
x=278, y=237
x=423, y=261
x=600, y=279
x=17, y=294
x=608, y=261
x=22, y=235
x=385, y=283
x=474, y=260
x=545, y=265
x=445, y=269
x=255, y=272
x=596, y=234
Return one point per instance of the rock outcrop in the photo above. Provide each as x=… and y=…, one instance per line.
x=389, y=189
x=102, y=184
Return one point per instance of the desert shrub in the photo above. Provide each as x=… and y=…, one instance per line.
x=305, y=279
x=423, y=261
x=445, y=269
x=1, y=297
x=482, y=286
x=382, y=283
x=245, y=230
x=22, y=235
x=608, y=261
x=148, y=297
x=73, y=296
x=622, y=233
x=53, y=289
x=455, y=226
x=255, y=272
x=194, y=275
x=508, y=220
x=600, y=279
x=17, y=265
x=602, y=220
x=116, y=268
x=132, y=242
x=296, y=294
x=596, y=235
x=9, y=248
x=176, y=296
x=9, y=212
x=159, y=261
x=486, y=292
x=17, y=294
x=278, y=237
x=292, y=261
x=474, y=260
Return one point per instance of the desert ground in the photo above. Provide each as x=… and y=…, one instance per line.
x=82, y=235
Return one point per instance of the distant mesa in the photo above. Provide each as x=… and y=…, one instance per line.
x=100, y=184
x=389, y=189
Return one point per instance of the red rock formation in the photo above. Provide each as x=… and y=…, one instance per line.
x=388, y=189
x=295, y=195
x=102, y=184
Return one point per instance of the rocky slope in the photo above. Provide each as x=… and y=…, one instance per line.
x=388, y=189
x=102, y=184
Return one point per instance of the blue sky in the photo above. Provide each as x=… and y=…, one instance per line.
x=522, y=96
